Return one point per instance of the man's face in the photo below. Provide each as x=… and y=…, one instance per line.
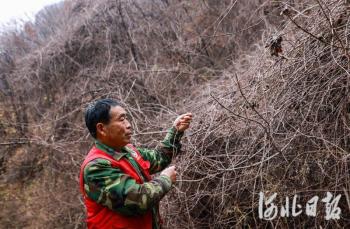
x=117, y=133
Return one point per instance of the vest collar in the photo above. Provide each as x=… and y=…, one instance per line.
x=109, y=150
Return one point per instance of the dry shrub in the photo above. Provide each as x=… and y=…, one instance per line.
x=280, y=125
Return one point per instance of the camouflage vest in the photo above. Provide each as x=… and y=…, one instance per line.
x=99, y=216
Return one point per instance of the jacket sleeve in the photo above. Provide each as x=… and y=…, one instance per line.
x=119, y=192
x=161, y=156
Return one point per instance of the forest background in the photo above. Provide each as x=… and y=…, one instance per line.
x=267, y=82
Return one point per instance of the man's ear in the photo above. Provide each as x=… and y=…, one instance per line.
x=100, y=128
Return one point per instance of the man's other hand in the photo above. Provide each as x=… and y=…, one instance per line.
x=183, y=122
x=170, y=172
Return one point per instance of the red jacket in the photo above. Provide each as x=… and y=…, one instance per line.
x=101, y=217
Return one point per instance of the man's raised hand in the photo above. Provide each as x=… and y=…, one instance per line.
x=183, y=122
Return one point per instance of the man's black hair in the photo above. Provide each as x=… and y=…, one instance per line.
x=98, y=111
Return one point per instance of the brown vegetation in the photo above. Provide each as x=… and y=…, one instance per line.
x=269, y=91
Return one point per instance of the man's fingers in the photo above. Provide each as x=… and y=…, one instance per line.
x=183, y=121
x=188, y=115
x=186, y=118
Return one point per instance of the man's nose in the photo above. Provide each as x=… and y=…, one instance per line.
x=128, y=125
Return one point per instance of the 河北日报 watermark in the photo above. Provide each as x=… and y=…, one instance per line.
x=268, y=210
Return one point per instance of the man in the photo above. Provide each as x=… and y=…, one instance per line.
x=115, y=176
